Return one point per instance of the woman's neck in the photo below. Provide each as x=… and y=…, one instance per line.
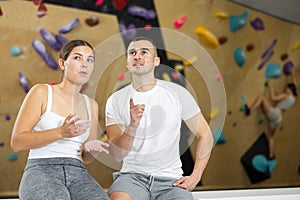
x=70, y=89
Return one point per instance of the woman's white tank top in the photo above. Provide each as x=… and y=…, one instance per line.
x=66, y=147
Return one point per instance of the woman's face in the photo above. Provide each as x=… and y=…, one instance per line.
x=79, y=65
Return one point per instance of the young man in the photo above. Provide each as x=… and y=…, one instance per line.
x=143, y=125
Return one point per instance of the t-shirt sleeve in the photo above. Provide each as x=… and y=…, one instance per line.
x=189, y=105
x=111, y=113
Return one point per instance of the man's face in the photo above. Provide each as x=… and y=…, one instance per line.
x=141, y=57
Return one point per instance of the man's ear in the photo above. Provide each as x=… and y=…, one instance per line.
x=156, y=61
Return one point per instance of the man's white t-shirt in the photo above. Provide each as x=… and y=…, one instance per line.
x=155, y=149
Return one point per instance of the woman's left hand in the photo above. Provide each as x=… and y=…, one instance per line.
x=96, y=146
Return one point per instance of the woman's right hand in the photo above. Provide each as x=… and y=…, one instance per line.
x=73, y=126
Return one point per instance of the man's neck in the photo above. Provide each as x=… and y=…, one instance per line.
x=144, y=84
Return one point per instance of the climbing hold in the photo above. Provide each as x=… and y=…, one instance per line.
x=12, y=157
x=273, y=70
x=250, y=47
x=2, y=144
x=23, y=82
x=179, y=22
x=238, y=22
x=92, y=21
x=239, y=56
x=243, y=99
x=265, y=60
x=178, y=68
x=190, y=61
x=260, y=120
x=50, y=39
x=287, y=67
x=219, y=137
x=99, y=2
x=15, y=51
x=269, y=49
x=175, y=75
x=166, y=77
x=42, y=10
x=128, y=32
x=207, y=37
x=69, y=26
x=120, y=4
x=121, y=76
x=1, y=13
x=221, y=15
x=284, y=56
x=148, y=27
x=52, y=83
x=7, y=117
x=218, y=77
x=141, y=12
x=61, y=40
x=47, y=57
x=214, y=113
x=296, y=45
x=222, y=40
x=257, y=24
x=260, y=163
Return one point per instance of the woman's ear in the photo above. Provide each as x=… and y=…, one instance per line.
x=156, y=61
x=61, y=64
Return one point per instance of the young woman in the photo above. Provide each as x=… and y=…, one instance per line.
x=53, y=123
x=284, y=101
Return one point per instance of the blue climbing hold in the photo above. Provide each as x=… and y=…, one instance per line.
x=273, y=70
x=239, y=56
x=238, y=22
x=15, y=51
x=219, y=138
x=260, y=163
x=12, y=157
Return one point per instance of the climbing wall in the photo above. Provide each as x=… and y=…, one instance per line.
x=246, y=48
x=224, y=30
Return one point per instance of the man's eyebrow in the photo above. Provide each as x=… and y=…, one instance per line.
x=144, y=49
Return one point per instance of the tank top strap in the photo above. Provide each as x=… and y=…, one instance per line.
x=49, y=101
x=88, y=106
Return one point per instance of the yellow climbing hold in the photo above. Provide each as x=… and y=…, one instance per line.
x=296, y=45
x=221, y=15
x=207, y=37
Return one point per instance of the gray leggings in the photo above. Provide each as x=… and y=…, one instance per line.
x=59, y=178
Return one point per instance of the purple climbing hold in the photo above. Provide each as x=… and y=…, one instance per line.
x=50, y=39
x=61, y=40
x=269, y=49
x=23, y=82
x=287, y=67
x=257, y=24
x=142, y=12
x=7, y=117
x=68, y=27
x=40, y=48
x=128, y=32
x=262, y=64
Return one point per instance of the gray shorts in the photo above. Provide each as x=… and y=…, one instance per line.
x=59, y=178
x=275, y=117
x=147, y=187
